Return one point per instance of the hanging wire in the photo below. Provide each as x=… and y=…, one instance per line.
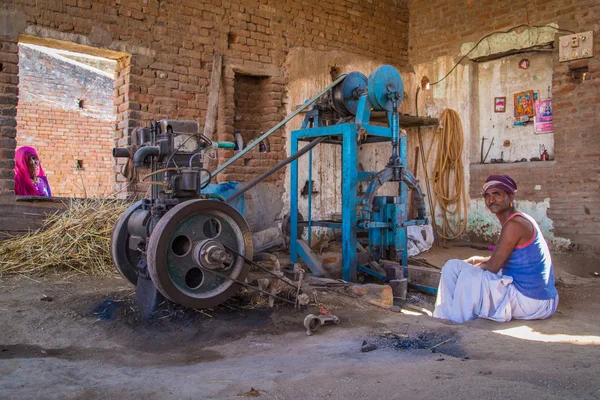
x=494, y=33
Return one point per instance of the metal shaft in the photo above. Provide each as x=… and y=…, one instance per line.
x=281, y=164
x=279, y=125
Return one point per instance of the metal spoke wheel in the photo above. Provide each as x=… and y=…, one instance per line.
x=187, y=245
x=124, y=258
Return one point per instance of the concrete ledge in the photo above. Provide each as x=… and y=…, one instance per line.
x=513, y=165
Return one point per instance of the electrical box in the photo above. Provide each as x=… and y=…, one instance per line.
x=576, y=46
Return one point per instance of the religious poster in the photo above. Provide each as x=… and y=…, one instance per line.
x=499, y=104
x=524, y=106
x=543, y=116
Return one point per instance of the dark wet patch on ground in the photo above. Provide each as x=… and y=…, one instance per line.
x=173, y=327
x=440, y=341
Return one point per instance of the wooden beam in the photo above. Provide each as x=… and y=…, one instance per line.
x=213, y=96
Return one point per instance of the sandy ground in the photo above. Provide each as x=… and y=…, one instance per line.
x=61, y=349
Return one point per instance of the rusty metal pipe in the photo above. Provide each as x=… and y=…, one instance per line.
x=143, y=152
x=121, y=152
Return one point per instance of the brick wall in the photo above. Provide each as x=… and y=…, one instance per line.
x=439, y=28
x=49, y=119
x=171, y=45
x=258, y=107
x=9, y=97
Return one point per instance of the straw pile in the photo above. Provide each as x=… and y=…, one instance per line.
x=76, y=239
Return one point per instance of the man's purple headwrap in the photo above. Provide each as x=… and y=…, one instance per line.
x=502, y=182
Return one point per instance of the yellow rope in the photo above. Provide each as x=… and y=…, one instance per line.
x=448, y=178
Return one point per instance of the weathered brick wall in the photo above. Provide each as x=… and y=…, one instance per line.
x=61, y=138
x=9, y=97
x=258, y=107
x=572, y=182
x=171, y=44
x=49, y=118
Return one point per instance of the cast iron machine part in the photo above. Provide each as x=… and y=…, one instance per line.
x=344, y=117
x=194, y=247
x=175, y=242
x=179, y=243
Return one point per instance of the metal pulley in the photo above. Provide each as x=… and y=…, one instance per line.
x=345, y=95
x=385, y=88
x=125, y=258
x=187, y=256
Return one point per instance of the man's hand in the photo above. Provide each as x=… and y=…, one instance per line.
x=476, y=260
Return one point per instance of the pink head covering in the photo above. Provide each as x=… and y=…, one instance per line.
x=23, y=184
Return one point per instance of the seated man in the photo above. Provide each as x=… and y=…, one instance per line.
x=516, y=281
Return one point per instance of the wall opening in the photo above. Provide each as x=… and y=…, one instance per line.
x=502, y=84
x=255, y=112
x=66, y=111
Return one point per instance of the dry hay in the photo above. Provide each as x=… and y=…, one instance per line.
x=76, y=239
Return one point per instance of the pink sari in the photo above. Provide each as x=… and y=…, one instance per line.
x=23, y=184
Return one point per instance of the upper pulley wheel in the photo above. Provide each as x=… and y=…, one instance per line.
x=345, y=95
x=385, y=86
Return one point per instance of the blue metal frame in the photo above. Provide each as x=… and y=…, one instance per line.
x=387, y=226
x=350, y=179
x=349, y=194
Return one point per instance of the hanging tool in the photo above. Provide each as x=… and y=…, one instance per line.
x=481, y=156
x=488, y=151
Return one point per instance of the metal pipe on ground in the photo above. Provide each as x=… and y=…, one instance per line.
x=267, y=239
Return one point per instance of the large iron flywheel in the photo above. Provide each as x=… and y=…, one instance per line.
x=188, y=257
x=125, y=259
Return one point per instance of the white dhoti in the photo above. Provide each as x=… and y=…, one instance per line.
x=467, y=292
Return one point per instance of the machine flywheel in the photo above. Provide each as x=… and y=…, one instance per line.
x=125, y=259
x=190, y=242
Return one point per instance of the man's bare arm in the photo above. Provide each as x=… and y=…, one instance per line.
x=510, y=235
x=476, y=260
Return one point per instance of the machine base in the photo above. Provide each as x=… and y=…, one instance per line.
x=147, y=297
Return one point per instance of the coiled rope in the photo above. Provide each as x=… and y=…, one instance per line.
x=448, y=179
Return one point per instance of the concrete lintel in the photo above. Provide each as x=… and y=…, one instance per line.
x=502, y=44
x=258, y=71
x=42, y=36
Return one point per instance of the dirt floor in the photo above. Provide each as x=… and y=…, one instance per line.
x=71, y=337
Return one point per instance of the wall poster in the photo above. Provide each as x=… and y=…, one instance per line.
x=524, y=106
x=543, y=119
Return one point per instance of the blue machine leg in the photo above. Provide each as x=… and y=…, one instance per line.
x=294, y=201
x=403, y=199
x=349, y=186
x=310, y=168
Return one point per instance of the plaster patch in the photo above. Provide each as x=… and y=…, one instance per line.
x=505, y=42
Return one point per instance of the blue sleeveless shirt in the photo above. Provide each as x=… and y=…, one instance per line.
x=530, y=265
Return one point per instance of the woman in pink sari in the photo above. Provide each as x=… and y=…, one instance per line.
x=30, y=179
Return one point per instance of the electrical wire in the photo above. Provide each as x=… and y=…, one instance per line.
x=157, y=172
x=448, y=176
x=205, y=185
x=427, y=182
x=493, y=33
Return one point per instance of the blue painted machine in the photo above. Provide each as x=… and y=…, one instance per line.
x=342, y=116
x=189, y=241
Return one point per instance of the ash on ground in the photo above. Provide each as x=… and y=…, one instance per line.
x=440, y=341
